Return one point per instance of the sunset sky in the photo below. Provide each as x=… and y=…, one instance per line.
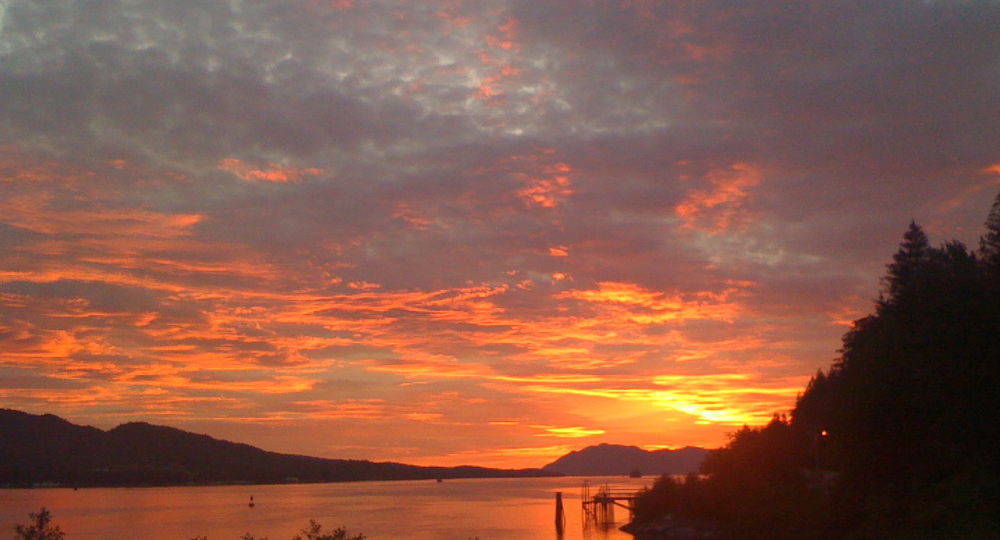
x=468, y=232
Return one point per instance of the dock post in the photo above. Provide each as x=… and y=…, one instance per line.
x=560, y=516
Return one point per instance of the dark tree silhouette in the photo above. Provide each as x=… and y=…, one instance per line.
x=906, y=263
x=313, y=532
x=39, y=528
x=989, y=243
x=897, y=438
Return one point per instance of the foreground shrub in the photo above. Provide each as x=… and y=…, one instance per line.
x=39, y=528
x=315, y=532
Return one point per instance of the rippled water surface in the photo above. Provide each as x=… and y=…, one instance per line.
x=490, y=509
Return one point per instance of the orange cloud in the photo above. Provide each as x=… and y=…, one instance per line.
x=491, y=85
x=273, y=173
x=658, y=307
x=224, y=333
x=32, y=213
x=506, y=36
x=351, y=408
x=717, y=398
x=549, y=188
x=450, y=12
x=575, y=432
x=412, y=216
x=723, y=206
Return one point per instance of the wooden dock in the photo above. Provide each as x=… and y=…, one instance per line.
x=599, y=506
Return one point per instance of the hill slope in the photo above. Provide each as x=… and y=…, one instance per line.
x=614, y=459
x=46, y=448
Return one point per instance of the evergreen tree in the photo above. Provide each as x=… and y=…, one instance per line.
x=989, y=244
x=913, y=252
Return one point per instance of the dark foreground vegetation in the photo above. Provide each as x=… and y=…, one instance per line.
x=898, y=439
x=45, y=449
x=40, y=528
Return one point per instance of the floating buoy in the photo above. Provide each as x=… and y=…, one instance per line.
x=251, y=505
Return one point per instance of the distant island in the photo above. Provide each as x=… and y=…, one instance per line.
x=619, y=460
x=48, y=450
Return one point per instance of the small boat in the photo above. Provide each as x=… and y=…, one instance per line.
x=635, y=474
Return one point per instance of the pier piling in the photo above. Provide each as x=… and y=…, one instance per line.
x=560, y=516
x=599, y=508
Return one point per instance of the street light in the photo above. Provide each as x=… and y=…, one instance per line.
x=823, y=434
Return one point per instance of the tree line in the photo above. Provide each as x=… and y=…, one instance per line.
x=898, y=438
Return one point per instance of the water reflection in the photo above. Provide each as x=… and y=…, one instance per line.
x=491, y=509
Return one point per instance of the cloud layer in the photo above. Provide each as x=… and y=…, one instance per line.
x=468, y=231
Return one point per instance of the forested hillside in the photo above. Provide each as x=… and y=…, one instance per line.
x=898, y=438
x=47, y=449
x=616, y=459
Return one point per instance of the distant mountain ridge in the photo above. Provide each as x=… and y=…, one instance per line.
x=616, y=460
x=45, y=448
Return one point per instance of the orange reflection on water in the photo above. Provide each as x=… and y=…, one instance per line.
x=494, y=509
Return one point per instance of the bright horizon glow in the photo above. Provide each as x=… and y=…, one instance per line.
x=467, y=232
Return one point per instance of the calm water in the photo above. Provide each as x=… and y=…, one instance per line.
x=491, y=509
